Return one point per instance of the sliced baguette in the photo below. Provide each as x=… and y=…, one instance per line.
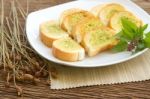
x=99, y=40
x=84, y=26
x=51, y=31
x=115, y=21
x=108, y=11
x=74, y=18
x=67, y=49
x=66, y=13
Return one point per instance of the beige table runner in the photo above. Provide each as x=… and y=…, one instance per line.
x=138, y=69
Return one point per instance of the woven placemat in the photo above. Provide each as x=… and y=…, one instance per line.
x=137, y=69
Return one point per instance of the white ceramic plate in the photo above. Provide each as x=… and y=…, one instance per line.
x=103, y=59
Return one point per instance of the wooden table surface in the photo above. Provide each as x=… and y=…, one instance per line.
x=136, y=90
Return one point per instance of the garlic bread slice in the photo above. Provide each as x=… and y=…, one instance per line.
x=67, y=49
x=51, y=31
x=99, y=40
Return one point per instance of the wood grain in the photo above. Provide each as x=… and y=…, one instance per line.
x=136, y=90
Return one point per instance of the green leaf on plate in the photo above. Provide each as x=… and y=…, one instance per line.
x=128, y=25
x=121, y=46
x=132, y=37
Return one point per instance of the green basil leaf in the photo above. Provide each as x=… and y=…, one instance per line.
x=128, y=35
x=140, y=31
x=144, y=27
x=130, y=26
x=121, y=46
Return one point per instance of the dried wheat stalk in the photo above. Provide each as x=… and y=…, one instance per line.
x=19, y=62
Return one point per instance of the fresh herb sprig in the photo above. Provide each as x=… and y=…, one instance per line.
x=132, y=38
